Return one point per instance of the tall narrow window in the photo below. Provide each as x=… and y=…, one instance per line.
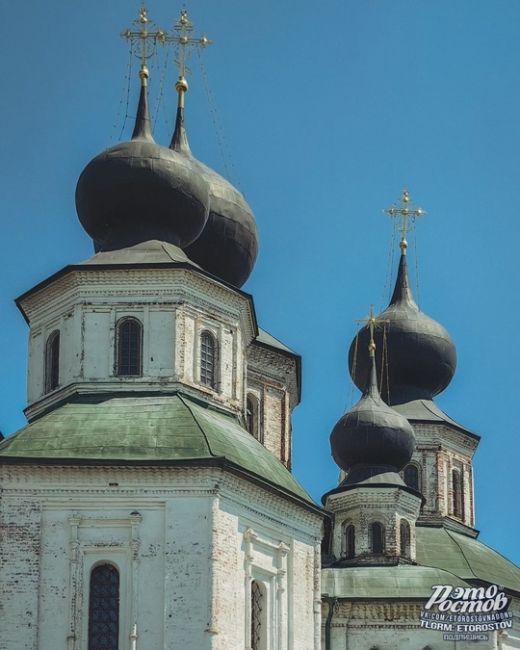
x=258, y=617
x=253, y=425
x=411, y=477
x=103, y=608
x=404, y=535
x=52, y=361
x=208, y=360
x=377, y=537
x=129, y=341
x=350, y=541
x=458, y=493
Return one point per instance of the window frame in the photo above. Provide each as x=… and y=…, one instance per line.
x=254, y=430
x=349, y=540
x=457, y=488
x=118, y=347
x=405, y=540
x=214, y=383
x=90, y=643
x=382, y=537
x=417, y=469
x=52, y=361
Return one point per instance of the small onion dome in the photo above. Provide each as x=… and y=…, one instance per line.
x=420, y=357
x=228, y=245
x=137, y=191
x=372, y=434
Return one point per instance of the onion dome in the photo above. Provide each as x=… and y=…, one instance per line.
x=138, y=191
x=228, y=245
x=419, y=354
x=372, y=438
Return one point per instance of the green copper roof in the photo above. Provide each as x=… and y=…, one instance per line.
x=401, y=581
x=425, y=410
x=466, y=557
x=443, y=557
x=146, y=429
x=266, y=338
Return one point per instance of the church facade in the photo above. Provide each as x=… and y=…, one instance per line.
x=149, y=502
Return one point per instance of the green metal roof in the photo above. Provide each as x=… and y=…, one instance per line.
x=159, y=429
x=425, y=410
x=401, y=581
x=267, y=339
x=466, y=557
x=443, y=557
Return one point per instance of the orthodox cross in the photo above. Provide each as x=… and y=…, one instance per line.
x=146, y=39
x=183, y=39
x=372, y=322
x=405, y=212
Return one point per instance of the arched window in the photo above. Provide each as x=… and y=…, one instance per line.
x=404, y=536
x=208, y=360
x=411, y=477
x=129, y=342
x=252, y=419
x=103, y=608
x=458, y=493
x=52, y=361
x=350, y=541
x=258, y=617
x=377, y=537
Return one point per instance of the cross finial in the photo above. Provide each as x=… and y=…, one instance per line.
x=372, y=322
x=404, y=211
x=146, y=39
x=183, y=39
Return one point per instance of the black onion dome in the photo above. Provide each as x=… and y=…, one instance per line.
x=372, y=433
x=137, y=191
x=228, y=245
x=421, y=354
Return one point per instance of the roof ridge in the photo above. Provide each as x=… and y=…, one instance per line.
x=462, y=553
x=187, y=406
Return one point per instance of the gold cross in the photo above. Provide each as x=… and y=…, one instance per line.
x=372, y=322
x=147, y=39
x=183, y=39
x=404, y=212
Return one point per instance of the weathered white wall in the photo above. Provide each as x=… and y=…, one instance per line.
x=187, y=543
x=440, y=449
x=361, y=507
x=387, y=625
x=174, y=307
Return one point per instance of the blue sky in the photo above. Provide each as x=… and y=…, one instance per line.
x=326, y=110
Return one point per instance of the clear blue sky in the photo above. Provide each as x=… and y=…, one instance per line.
x=327, y=110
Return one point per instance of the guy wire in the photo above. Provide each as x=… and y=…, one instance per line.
x=128, y=78
x=354, y=367
x=416, y=265
x=228, y=166
x=162, y=80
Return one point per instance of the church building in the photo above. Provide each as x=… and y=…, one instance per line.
x=149, y=503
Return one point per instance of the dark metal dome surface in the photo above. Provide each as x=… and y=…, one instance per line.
x=228, y=245
x=138, y=191
x=421, y=354
x=372, y=433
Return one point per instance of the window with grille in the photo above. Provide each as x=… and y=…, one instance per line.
x=103, y=608
x=258, y=631
x=129, y=341
x=208, y=360
x=458, y=494
x=411, y=477
x=52, y=361
x=377, y=537
x=404, y=535
x=252, y=420
x=350, y=541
